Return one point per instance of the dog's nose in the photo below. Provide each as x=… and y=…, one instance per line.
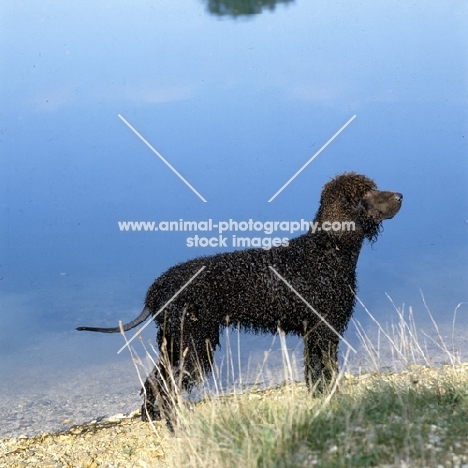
x=398, y=197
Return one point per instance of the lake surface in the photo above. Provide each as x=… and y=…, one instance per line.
x=198, y=111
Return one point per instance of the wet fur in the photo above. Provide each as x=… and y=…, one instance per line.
x=239, y=288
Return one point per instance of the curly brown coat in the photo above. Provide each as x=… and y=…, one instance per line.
x=241, y=288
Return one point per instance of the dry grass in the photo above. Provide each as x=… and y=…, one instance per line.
x=416, y=417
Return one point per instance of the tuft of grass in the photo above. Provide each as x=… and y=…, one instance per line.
x=419, y=417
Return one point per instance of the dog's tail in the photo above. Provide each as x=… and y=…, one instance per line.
x=145, y=313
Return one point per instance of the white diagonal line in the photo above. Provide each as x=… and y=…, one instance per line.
x=311, y=308
x=159, y=155
x=312, y=158
x=161, y=309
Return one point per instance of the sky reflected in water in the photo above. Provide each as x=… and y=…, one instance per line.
x=236, y=103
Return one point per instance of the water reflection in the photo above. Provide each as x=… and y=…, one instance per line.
x=242, y=7
x=237, y=106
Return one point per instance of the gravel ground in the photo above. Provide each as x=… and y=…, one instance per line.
x=124, y=441
x=115, y=442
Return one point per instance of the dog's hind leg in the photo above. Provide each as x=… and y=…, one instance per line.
x=180, y=366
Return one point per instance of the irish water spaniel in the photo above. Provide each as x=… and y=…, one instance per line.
x=241, y=288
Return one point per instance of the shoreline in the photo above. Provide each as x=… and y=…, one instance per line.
x=118, y=439
x=124, y=440
x=37, y=403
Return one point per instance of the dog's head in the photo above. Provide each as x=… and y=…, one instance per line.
x=354, y=198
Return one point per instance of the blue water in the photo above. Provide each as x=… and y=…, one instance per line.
x=237, y=104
